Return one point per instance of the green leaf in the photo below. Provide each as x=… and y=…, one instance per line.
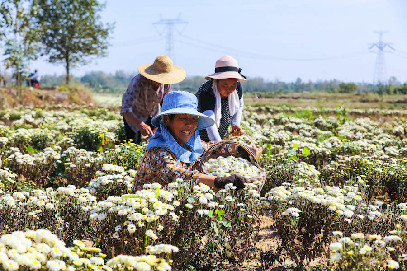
x=295, y=146
x=220, y=212
x=210, y=213
x=225, y=223
x=30, y=149
x=100, y=149
x=268, y=146
x=306, y=151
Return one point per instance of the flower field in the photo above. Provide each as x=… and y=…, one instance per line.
x=335, y=197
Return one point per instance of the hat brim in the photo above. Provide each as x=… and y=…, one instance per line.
x=203, y=120
x=226, y=75
x=176, y=75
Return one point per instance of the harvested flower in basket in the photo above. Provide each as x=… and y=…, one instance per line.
x=225, y=166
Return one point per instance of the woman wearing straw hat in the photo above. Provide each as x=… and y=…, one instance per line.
x=176, y=145
x=221, y=98
x=144, y=95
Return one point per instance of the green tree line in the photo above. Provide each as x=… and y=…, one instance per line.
x=99, y=81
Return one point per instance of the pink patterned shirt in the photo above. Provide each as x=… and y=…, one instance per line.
x=142, y=99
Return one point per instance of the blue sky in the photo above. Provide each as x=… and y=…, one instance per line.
x=273, y=39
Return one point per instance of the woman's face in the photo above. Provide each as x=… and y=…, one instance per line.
x=181, y=126
x=226, y=87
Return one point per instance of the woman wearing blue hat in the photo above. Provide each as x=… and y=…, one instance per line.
x=176, y=145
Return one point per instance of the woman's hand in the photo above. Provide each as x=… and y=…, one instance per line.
x=141, y=125
x=236, y=180
x=145, y=130
x=237, y=131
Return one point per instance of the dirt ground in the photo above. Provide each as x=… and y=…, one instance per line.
x=11, y=97
x=269, y=259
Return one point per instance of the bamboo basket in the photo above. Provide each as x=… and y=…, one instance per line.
x=227, y=148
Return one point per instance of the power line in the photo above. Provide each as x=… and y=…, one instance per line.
x=401, y=54
x=239, y=53
x=137, y=41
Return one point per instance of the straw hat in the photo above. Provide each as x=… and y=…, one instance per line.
x=181, y=102
x=162, y=71
x=227, y=67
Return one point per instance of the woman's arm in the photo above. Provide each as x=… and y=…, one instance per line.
x=213, y=133
x=237, y=118
x=207, y=179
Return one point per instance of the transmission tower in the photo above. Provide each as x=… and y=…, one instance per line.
x=170, y=26
x=379, y=76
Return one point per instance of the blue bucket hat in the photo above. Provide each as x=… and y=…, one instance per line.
x=181, y=102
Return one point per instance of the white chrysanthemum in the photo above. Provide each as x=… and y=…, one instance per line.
x=56, y=252
x=97, y=260
x=56, y=265
x=34, y=264
x=348, y=213
x=357, y=235
x=292, y=211
x=335, y=256
x=335, y=246
x=151, y=234
x=393, y=265
x=365, y=249
x=203, y=200
x=131, y=228
x=161, y=248
x=391, y=238
x=223, y=166
x=10, y=265
x=43, y=248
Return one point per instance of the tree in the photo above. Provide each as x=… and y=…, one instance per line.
x=21, y=44
x=71, y=31
x=347, y=88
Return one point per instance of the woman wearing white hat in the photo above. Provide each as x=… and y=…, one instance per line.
x=221, y=98
x=176, y=145
x=144, y=95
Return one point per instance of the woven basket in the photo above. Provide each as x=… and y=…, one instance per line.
x=257, y=151
x=227, y=148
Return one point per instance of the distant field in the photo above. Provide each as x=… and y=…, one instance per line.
x=108, y=99
x=303, y=100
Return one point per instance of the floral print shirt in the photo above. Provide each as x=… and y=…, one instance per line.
x=143, y=99
x=160, y=165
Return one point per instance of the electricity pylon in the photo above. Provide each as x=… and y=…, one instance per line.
x=170, y=26
x=379, y=76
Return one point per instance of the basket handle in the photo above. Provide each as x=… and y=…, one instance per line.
x=252, y=143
